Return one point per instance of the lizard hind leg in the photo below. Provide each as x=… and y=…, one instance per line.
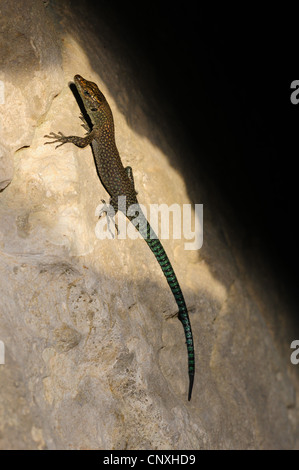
x=110, y=212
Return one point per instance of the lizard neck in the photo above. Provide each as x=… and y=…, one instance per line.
x=102, y=118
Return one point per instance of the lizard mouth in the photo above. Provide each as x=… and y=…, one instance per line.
x=78, y=81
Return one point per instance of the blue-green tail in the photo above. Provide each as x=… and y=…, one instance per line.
x=162, y=258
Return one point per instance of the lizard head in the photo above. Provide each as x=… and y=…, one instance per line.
x=93, y=98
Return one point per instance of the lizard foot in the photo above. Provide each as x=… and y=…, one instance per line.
x=59, y=138
x=106, y=210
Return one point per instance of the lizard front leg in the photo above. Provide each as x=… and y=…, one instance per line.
x=85, y=124
x=73, y=139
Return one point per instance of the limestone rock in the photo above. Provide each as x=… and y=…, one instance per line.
x=95, y=357
x=30, y=76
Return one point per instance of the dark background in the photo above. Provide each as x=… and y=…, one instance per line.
x=227, y=76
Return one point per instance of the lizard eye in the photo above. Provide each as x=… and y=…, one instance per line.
x=86, y=92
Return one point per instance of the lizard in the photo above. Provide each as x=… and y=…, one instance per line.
x=119, y=181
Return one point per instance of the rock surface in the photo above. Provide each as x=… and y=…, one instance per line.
x=93, y=358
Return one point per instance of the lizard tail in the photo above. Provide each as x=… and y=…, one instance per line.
x=162, y=258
